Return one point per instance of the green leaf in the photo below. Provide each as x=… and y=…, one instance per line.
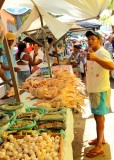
x=111, y=6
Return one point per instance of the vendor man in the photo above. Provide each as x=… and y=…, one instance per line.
x=10, y=38
x=2, y=66
x=99, y=63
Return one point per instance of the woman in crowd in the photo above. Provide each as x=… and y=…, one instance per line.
x=23, y=61
x=37, y=56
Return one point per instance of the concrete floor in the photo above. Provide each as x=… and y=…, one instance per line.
x=85, y=130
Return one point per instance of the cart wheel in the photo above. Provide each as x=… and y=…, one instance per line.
x=112, y=74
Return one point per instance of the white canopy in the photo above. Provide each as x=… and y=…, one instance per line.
x=90, y=8
x=77, y=10
x=80, y=9
x=55, y=26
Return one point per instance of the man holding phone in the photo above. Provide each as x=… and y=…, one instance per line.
x=99, y=63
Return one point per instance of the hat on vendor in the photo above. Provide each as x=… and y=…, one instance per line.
x=93, y=33
x=10, y=36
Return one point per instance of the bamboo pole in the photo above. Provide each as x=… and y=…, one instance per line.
x=6, y=48
x=33, y=30
x=44, y=36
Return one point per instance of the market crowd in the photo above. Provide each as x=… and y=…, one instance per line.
x=26, y=59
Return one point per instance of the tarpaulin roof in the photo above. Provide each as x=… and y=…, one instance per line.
x=80, y=9
x=76, y=9
x=55, y=26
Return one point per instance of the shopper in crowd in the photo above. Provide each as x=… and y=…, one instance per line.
x=10, y=38
x=2, y=68
x=51, y=50
x=82, y=64
x=37, y=56
x=108, y=45
x=77, y=61
x=98, y=86
x=84, y=45
x=23, y=61
x=75, y=56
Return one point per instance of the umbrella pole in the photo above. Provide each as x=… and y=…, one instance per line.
x=46, y=52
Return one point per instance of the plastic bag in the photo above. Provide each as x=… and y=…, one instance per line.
x=24, y=127
x=11, y=115
x=4, y=128
x=81, y=67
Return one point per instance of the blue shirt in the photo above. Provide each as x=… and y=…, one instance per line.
x=5, y=62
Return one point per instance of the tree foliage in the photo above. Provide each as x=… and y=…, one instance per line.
x=111, y=5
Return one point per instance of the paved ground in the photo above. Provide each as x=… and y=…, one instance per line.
x=84, y=129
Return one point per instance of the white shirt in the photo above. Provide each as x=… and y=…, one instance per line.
x=97, y=76
x=39, y=56
x=23, y=67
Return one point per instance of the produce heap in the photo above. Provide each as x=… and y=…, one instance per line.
x=63, y=90
x=31, y=133
x=31, y=147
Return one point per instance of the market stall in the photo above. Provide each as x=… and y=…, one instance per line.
x=69, y=134
x=46, y=122
x=19, y=129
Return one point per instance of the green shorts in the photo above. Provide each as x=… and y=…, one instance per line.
x=100, y=102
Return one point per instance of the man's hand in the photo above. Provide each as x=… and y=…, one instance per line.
x=91, y=56
x=16, y=69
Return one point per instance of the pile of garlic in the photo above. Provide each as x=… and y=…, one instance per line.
x=37, y=147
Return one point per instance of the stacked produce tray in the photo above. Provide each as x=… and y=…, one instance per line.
x=29, y=147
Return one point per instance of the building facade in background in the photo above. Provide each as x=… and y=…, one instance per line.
x=8, y=21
